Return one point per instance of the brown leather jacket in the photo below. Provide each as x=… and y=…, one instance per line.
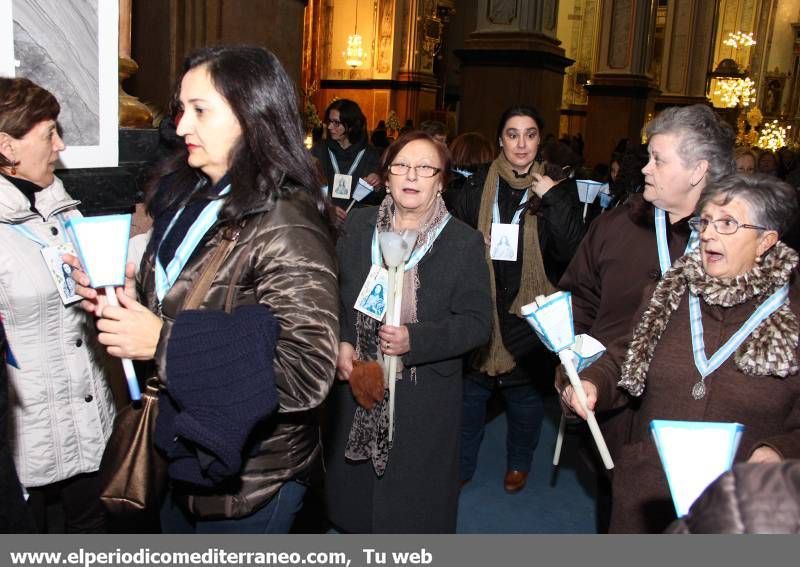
x=291, y=269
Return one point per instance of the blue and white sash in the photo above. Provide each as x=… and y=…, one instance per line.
x=166, y=278
x=496, y=208
x=30, y=235
x=706, y=366
x=661, y=240
x=417, y=254
x=353, y=167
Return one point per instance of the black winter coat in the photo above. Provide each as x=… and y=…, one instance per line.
x=560, y=231
x=749, y=499
x=370, y=163
x=14, y=515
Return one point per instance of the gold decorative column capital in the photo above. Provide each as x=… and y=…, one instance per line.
x=132, y=113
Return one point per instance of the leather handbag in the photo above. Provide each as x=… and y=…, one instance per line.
x=133, y=473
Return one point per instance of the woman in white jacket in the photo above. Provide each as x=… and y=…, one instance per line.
x=60, y=401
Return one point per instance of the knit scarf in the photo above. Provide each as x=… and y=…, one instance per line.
x=369, y=434
x=494, y=359
x=771, y=350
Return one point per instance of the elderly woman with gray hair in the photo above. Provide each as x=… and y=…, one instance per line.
x=738, y=295
x=631, y=246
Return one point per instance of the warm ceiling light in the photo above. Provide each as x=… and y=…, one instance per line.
x=739, y=39
x=354, y=56
x=735, y=91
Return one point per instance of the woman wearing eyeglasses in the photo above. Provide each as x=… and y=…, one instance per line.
x=408, y=484
x=513, y=199
x=717, y=341
x=630, y=247
x=345, y=157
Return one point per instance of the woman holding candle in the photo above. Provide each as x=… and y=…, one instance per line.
x=631, y=246
x=265, y=333
x=408, y=485
x=717, y=341
x=346, y=156
x=60, y=401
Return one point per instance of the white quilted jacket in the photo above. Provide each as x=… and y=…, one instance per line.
x=60, y=400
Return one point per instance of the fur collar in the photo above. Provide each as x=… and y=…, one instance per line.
x=771, y=350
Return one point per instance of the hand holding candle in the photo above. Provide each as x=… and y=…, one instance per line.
x=396, y=249
x=102, y=244
x=551, y=318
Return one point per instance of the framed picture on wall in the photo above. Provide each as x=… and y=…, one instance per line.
x=772, y=94
x=69, y=47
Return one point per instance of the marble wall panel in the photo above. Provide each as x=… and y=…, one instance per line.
x=55, y=42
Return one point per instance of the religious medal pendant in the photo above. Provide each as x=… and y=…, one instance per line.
x=699, y=390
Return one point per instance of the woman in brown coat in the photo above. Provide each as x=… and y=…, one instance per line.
x=739, y=266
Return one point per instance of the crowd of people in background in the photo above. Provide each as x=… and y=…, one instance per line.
x=287, y=373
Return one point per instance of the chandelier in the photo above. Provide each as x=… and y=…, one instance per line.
x=772, y=136
x=355, y=55
x=739, y=39
x=735, y=91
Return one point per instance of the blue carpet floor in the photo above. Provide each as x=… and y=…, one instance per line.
x=551, y=502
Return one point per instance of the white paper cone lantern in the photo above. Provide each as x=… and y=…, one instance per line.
x=694, y=454
x=588, y=189
x=102, y=244
x=586, y=350
x=361, y=191
x=552, y=320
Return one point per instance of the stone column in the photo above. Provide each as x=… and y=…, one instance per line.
x=132, y=113
x=165, y=31
x=512, y=57
x=687, y=52
x=622, y=90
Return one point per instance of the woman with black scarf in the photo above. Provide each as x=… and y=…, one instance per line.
x=345, y=157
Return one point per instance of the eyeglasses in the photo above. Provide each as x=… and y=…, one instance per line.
x=420, y=170
x=334, y=123
x=722, y=226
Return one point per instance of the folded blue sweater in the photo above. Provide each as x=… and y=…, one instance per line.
x=220, y=385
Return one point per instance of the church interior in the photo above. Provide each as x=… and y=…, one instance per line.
x=598, y=69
